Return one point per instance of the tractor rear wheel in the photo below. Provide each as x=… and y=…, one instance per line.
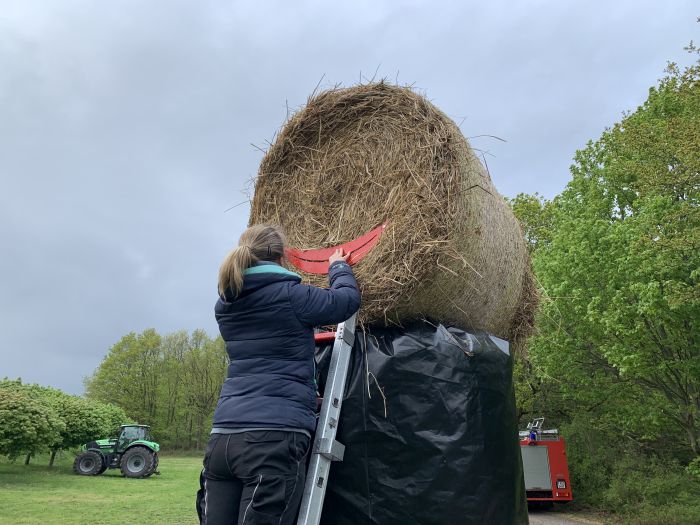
x=138, y=462
x=88, y=463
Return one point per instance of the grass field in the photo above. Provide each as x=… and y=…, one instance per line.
x=37, y=494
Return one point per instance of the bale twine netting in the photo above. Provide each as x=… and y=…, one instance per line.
x=356, y=157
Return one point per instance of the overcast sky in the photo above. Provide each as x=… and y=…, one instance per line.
x=126, y=131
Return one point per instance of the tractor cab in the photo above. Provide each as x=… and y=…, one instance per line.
x=129, y=433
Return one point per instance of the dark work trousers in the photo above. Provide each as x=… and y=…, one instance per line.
x=253, y=478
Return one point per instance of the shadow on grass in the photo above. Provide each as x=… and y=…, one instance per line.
x=17, y=474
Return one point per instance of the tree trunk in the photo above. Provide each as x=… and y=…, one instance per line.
x=53, y=455
x=189, y=437
x=26, y=460
x=692, y=435
x=199, y=432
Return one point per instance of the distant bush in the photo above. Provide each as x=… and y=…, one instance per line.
x=693, y=468
x=638, y=488
x=34, y=418
x=27, y=424
x=649, y=490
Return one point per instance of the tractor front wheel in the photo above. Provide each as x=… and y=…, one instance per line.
x=139, y=462
x=88, y=463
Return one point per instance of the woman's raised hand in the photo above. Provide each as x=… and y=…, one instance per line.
x=338, y=255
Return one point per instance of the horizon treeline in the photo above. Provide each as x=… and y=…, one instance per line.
x=170, y=382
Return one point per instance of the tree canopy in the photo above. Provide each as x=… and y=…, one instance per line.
x=616, y=354
x=170, y=382
x=28, y=423
x=621, y=264
x=35, y=418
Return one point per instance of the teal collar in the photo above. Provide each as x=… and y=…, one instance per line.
x=269, y=268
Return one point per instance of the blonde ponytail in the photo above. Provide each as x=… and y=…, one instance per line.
x=231, y=271
x=258, y=243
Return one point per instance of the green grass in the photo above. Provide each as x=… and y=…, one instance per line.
x=37, y=494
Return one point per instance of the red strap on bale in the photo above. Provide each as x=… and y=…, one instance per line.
x=316, y=261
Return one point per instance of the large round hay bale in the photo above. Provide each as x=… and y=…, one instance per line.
x=354, y=158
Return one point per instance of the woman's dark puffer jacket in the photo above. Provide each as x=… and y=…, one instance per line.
x=268, y=330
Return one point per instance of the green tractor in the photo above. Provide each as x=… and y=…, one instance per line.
x=132, y=451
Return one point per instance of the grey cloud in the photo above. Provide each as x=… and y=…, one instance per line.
x=125, y=133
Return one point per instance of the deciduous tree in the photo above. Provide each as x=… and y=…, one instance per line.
x=620, y=322
x=28, y=423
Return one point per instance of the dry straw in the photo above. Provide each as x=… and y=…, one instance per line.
x=353, y=158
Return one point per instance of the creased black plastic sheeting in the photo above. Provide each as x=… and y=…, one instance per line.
x=429, y=426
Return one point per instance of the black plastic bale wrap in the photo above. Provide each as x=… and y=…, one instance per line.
x=428, y=422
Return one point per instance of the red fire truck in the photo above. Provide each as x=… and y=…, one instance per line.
x=544, y=463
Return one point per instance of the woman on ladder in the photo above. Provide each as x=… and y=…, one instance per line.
x=255, y=461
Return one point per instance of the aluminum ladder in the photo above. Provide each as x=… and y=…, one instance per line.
x=325, y=448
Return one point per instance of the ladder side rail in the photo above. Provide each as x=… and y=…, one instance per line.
x=325, y=448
